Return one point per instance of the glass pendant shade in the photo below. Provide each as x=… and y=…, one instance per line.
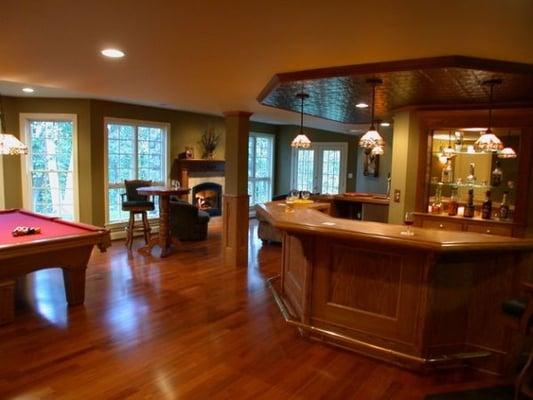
x=448, y=152
x=488, y=142
x=371, y=139
x=301, y=142
x=377, y=151
x=507, y=152
x=10, y=145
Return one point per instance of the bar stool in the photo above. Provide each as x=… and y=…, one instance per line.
x=520, y=316
x=135, y=203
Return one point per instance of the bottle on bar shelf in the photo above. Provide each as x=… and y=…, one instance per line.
x=486, y=208
x=453, y=205
x=471, y=177
x=470, y=208
x=446, y=176
x=496, y=176
x=504, y=207
x=436, y=207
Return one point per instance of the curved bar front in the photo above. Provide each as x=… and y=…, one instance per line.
x=417, y=301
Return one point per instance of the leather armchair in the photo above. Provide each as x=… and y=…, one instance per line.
x=187, y=222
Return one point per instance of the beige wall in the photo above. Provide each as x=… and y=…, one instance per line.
x=404, y=165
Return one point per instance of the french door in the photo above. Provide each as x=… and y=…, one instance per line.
x=320, y=168
x=50, y=169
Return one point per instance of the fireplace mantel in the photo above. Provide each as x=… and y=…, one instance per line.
x=183, y=168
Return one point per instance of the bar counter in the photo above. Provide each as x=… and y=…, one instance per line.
x=418, y=301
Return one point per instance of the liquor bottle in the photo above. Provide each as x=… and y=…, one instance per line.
x=486, y=208
x=446, y=176
x=453, y=205
x=504, y=207
x=470, y=208
x=471, y=178
x=496, y=176
x=436, y=207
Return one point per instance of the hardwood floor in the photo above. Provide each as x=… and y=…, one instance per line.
x=184, y=327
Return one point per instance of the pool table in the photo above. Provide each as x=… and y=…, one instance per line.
x=61, y=244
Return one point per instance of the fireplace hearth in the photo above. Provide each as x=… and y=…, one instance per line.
x=207, y=196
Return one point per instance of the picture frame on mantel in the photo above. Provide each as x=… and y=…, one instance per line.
x=370, y=165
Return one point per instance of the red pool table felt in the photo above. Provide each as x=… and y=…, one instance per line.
x=50, y=227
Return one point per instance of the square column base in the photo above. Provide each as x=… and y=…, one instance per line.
x=235, y=230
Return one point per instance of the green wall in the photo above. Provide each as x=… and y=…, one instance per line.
x=13, y=106
x=286, y=134
x=186, y=128
x=371, y=184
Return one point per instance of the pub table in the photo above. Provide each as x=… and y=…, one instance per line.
x=163, y=239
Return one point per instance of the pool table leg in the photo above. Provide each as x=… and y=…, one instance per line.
x=7, y=301
x=74, y=279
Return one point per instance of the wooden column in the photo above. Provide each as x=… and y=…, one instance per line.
x=235, y=207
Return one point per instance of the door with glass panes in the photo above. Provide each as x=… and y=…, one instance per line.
x=320, y=168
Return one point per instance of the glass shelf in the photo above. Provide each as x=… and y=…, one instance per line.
x=474, y=186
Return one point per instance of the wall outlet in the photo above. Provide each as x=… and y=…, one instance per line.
x=396, y=195
x=350, y=175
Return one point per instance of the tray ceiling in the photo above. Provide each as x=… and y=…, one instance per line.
x=451, y=81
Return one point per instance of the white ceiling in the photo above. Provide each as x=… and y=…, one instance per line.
x=215, y=56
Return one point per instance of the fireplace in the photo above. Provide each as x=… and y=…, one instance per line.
x=207, y=196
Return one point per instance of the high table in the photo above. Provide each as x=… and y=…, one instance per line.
x=163, y=239
x=61, y=244
x=419, y=301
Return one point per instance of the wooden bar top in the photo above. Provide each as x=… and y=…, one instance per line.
x=311, y=221
x=368, y=198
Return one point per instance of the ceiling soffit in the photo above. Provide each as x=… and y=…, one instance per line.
x=450, y=81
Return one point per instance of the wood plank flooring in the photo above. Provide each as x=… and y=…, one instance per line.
x=184, y=327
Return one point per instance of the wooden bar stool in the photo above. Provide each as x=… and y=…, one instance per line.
x=135, y=203
x=520, y=316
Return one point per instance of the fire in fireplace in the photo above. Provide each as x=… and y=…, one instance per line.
x=207, y=196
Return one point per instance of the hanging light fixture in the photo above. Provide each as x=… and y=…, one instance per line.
x=449, y=152
x=507, y=152
x=9, y=144
x=301, y=141
x=488, y=141
x=372, y=138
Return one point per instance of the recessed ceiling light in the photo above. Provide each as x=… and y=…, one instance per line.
x=361, y=105
x=28, y=90
x=112, y=53
x=385, y=124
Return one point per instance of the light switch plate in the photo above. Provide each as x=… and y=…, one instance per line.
x=350, y=175
x=396, y=195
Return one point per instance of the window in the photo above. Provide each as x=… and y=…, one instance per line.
x=320, y=169
x=260, y=167
x=50, y=169
x=135, y=150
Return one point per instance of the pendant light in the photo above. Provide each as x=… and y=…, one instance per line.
x=9, y=144
x=372, y=138
x=449, y=152
x=507, y=152
x=301, y=141
x=488, y=141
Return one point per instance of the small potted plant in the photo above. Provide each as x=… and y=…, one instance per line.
x=209, y=143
